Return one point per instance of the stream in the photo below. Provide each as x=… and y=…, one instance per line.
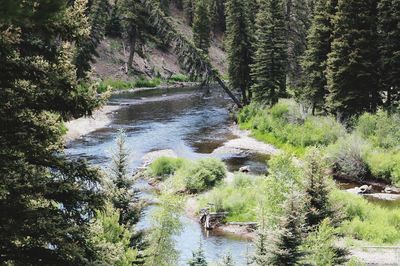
x=192, y=123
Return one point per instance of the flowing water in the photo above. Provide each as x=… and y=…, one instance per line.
x=191, y=123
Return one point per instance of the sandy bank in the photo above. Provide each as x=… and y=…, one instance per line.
x=82, y=126
x=245, y=143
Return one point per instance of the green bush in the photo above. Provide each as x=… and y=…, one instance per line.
x=347, y=157
x=165, y=166
x=147, y=83
x=202, y=174
x=382, y=129
x=384, y=165
x=366, y=221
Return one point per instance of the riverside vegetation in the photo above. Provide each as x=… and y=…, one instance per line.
x=319, y=79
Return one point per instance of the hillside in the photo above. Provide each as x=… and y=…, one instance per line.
x=112, y=56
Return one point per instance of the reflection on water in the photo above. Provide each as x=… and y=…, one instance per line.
x=190, y=123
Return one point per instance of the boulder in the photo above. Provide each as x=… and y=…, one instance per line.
x=244, y=169
x=364, y=189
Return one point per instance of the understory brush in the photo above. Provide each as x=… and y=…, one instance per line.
x=367, y=221
x=289, y=127
x=242, y=196
x=189, y=176
x=370, y=149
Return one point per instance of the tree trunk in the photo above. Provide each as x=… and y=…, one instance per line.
x=132, y=43
x=227, y=90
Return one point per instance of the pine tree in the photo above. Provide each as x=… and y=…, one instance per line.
x=238, y=42
x=283, y=244
x=317, y=204
x=188, y=7
x=227, y=260
x=165, y=224
x=113, y=26
x=389, y=47
x=198, y=257
x=297, y=16
x=125, y=198
x=47, y=201
x=98, y=17
x=318, y=208
x=320, y=248
x=352, y=76
x=217, y=15
x=269, y=68
x=201, y=26
x=319, y=41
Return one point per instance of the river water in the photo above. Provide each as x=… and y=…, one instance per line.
x=192, y=124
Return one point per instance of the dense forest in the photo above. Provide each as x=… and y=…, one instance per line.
x=318, y=81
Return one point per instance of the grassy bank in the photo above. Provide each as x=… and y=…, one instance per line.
x=367, y=148
x=114, y=84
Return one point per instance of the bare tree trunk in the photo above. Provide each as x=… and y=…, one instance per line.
x=132, y=43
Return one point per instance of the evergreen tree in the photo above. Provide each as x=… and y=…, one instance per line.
x=352, y=76
x=217, y=15
x=318, y=47
x=188, y=7
x=113, y=26
x=198, y=257
x=227, y=260
x=389, y=47
x=238, y=42
x=201, y=26
x=317, y=204
x=98, y=17
x=269, y=68
x=319, y=246
x=111, y=241
x=125, y=198
x=297, y=16
x=165, y=224
x=46, y=200
x=283, y=244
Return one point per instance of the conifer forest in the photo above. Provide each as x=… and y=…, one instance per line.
x=199, y=132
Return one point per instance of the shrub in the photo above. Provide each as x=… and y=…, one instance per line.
x=165, y=166
x=200, y=175
x=147, y=83
x=384, y=165
x=366, y=221
x=347, y=157
x=382, y=129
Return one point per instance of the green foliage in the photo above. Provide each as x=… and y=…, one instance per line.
x=347, y=157
x=111, y=240
x=165, y=166
x=315, y=57
x=226, y=260
x=198, y=257
x=381, y=129
x=269, y=69
x=201, y=26
x=389, y=45
x=366, y=221
x=46, y=200
x=241, y=197
x=126, y=85
x=165, y=224
x=201, y=175
x=352, y=65
x=239, y=46
x=319, y=246
x=286, y=126
x=283, y=242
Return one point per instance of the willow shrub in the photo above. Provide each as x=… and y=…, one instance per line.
x=242, y=196
x=165, y=166
x=288, y=127
x=367, y=221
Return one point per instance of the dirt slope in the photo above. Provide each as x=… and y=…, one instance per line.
x=113, y=54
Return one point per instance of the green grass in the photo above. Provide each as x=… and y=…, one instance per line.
x=178, y=78
x=367, y=221
x=165, y=166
